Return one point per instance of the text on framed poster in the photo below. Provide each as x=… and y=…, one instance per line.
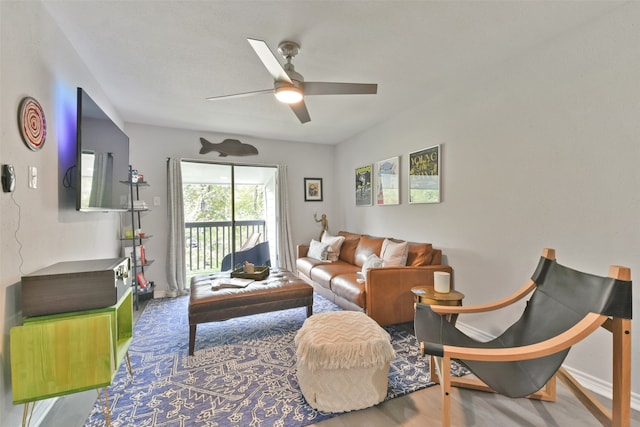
x=424, y=175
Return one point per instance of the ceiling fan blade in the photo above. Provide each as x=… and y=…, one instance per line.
x=239, y=95
x=269, y=60
x=300, y=110
x=327, y=88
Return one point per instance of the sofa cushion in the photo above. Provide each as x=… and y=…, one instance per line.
x=318, y=250
x=348, y=249
x=324, y=272
x=419, y=254
x=436, y=257
x=305, y=264
x=347, y=287
x=366, y=247
x=394, y=253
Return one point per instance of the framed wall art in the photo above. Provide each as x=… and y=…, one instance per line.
x=387, y=181
x=424, y=175
x=32, y=122
x=363, y=185
x=313, y=189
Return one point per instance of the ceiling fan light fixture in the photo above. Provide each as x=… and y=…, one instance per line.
x=289, y=94
x=289, y=86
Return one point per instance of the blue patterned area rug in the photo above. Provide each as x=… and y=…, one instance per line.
x=242, y=373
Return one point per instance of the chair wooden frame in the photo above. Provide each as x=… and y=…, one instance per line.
x=620, y=413
x=251, y=241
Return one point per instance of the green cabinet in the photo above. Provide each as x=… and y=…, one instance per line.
x=66, y=353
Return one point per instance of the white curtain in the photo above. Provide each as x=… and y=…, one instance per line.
x=286, y=256
x=176, y=264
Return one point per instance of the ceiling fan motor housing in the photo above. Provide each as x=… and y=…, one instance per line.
x=288, y=49
x=295, y=77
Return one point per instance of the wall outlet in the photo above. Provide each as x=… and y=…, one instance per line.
x=156, y=201
x=33, y=177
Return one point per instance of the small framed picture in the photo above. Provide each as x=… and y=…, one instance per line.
x=363, y=185
x=387, y=181
x=313, y=189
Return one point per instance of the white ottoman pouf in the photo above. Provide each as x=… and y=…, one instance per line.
x=343, y=361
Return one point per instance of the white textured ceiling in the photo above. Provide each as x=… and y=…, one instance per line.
x=157, y=61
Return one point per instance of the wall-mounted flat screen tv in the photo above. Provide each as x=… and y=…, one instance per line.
x=102, y=159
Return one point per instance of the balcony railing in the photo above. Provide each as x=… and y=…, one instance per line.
x=208, y=242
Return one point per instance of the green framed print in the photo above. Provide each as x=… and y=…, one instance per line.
x=424, y=175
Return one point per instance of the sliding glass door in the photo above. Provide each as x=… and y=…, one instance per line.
x=225, y=207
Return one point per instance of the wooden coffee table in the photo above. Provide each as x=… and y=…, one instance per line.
x=207, y=304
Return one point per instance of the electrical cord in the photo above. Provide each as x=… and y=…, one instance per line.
x=15, y=233
x=67, y=180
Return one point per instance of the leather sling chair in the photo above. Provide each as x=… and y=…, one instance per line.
x=565, y=307
x=258, y=255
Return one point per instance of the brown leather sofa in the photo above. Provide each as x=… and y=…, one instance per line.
x=385, y=295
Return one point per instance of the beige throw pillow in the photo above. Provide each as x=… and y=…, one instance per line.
x=318, y=250
x=394, y=254
x=335, y=243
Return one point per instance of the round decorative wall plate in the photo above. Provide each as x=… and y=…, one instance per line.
x=33, y=125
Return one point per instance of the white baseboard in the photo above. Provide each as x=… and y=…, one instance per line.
x=598, y=386
x=41, y=410
x=591, y=383
x=474, y=333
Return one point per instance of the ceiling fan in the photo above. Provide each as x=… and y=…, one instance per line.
x=290, y=87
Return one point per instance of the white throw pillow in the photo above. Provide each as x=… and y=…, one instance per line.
x=394, y=254
x=318, y=250
x=373, y=261
x=335, y=243
x=331, y=256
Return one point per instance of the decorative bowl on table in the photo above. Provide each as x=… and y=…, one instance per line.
x=260, y=272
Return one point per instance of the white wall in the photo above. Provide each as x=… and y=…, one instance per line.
x=37, y=60
x=40, y=226
x=151, y=146
x=541, y=151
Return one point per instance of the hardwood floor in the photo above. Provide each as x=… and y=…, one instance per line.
x=473, y=408
x=419, y=409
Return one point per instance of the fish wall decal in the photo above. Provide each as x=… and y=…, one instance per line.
x=228, y=147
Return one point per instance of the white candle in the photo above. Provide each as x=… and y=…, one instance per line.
x=248, y=267
x=441, y=281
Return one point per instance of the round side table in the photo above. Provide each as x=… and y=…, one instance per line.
x=428, y=295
